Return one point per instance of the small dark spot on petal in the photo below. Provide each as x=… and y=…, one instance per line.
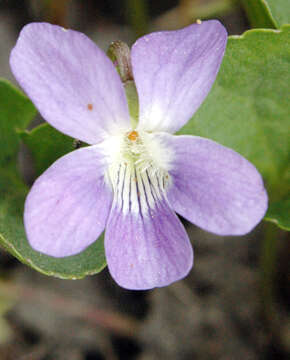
x=90, y=107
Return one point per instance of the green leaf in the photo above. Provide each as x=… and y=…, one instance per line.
x=259, y=14
x=280, y=11
x=12, y=237
x=279, y=213
x=46, y=145
x=267, y=13
x=16, y=112
x=248, y=108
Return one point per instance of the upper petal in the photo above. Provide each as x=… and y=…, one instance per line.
x=68, y=205
x=214, y=187
x=70, y=80
x=174, y=71
x=146, y=245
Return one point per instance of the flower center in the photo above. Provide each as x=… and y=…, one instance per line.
x=138, y=172
x=133, y=135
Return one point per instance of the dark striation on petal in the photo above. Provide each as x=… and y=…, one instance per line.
x=146, y=244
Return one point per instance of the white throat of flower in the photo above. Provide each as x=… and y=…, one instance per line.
x=137, y=171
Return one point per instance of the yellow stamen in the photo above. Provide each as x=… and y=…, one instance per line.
x=133, y=135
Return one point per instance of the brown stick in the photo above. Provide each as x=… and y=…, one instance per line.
x=112, y=321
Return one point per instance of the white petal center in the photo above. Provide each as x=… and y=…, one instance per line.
x=138, y=171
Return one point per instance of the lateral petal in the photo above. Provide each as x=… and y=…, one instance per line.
x=68, y=205
x=213, y=186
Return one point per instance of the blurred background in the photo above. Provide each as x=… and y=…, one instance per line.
x=223, y=310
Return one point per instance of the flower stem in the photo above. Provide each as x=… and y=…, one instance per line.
x=137, y=16
x=208, y=9
x=132, y=98
x=268, y=261
x=119, y=53
x=57, y=11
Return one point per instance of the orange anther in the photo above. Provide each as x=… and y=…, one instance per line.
x=90, y=107
x=133, y=135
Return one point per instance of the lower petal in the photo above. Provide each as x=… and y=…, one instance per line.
x=147, y=249
x=67, y=208
x=213, y=186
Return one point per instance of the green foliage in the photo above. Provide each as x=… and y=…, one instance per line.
x=280, y=11
x=248, y=108
x=46, y=145
x=259, y=14
x=267, y=13
x=16, y=111
x=279, y=212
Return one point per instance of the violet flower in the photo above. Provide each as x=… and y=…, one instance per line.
x=133, y=177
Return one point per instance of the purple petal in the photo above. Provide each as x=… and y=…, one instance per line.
x=150, y=250
x=67, y=208
x=70, y=80
x=214, y=187
x=174, y=71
